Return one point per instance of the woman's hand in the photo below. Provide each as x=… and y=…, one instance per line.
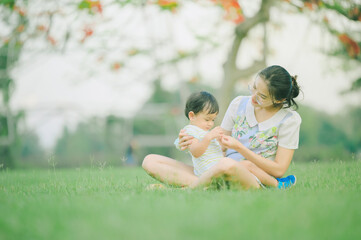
x=184, y=140
x=230, y=142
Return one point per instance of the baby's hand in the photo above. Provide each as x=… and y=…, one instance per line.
x=216, y=132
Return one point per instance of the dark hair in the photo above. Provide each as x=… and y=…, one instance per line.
x=281, y=85
x=201, y=101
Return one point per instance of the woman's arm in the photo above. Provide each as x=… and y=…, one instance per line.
x=185, y=140
x=276, y=168
x=227, y=133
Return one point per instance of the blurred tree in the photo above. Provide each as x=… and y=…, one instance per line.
x=10, y=50
x=84, y=146
x=121, y=141
x=125, y=141
x=27, y=150
x=30, y=145
x=324, y=137
x=114, y=142
x=350, y=122
x=342, y=19
x=329, y=14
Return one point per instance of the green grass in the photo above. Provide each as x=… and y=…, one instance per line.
x=113, y=204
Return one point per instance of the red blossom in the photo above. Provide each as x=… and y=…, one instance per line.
x=352, y=47
x=233, y=10
x=20, y=28
x=170, y=5
x=51, y=40
x=41, y=28
x=96, y=5
x=20, y=11
x=91, y=5
x=355, y=13
x=88, y=31
x=166, y=2
x=116, y=66
x=194, y=79
x=325, y=19
x=309, y=5
x=133, y=52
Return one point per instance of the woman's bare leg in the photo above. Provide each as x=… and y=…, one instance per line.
x=264, y=177
x=168, y=170
x=230, y=170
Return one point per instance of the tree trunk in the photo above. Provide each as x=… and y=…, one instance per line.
x=232, y=74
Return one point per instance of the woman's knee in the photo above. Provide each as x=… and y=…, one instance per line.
x=149, y=161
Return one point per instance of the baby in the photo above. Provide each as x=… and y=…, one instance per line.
x=201, y=110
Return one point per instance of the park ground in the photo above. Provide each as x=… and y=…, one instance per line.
x=113, y=203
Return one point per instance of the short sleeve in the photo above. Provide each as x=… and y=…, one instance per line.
x=289, y=132
x=191, y=131
x=231, y=114
x=194, y=132
x=176, y=144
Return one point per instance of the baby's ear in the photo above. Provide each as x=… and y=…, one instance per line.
x=191, y=115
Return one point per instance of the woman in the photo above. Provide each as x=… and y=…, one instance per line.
x=262, y=133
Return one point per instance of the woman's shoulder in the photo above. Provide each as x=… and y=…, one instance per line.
x=293, y=116
x=237, y=100
x=234, y=105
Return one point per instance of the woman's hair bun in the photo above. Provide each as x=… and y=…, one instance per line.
x=295, y=88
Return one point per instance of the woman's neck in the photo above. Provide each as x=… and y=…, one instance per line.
x=264, y=113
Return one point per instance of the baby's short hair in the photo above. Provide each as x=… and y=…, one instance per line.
x=201, y=101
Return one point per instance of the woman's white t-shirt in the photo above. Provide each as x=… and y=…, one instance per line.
x=282, y=129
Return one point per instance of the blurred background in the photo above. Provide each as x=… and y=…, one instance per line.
x=103, y=83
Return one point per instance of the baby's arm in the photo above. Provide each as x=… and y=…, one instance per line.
x=198, y=148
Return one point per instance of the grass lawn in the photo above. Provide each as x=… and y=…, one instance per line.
x=113, y=204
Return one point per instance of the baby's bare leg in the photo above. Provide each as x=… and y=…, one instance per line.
x=229, y=170
x=264, y=177
x=168, y=170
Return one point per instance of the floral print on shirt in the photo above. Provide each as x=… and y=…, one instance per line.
x=241, y=127
x=263, y=143
x=266, y=141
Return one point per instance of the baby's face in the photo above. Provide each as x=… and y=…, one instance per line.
x=204, y=120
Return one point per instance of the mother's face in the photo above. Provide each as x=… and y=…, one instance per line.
x=260, y=93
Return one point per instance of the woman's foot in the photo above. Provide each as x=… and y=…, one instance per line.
x=286, y=182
